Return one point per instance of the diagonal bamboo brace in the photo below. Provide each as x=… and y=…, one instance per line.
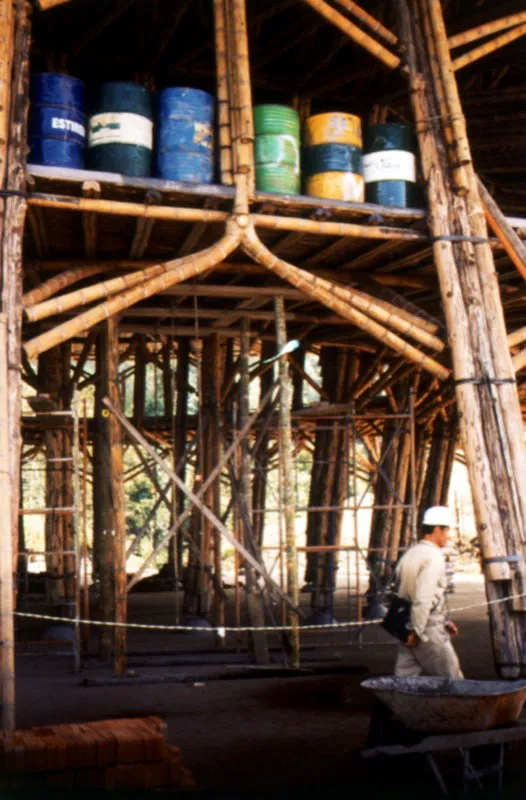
x=211, y=517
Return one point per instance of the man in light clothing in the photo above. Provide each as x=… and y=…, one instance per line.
x=420, y=577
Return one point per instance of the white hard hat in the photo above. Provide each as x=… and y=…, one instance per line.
x=439, y=515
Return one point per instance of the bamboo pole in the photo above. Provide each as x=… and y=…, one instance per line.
x=517, y=337
x=45, y=5
x=59, y=282
x=125, y=209
x=288, y=500
x=223, y=113
x=245, y=142
x=335, y=228
x=489, y=47
x=519, y=361
x=354, y=33
x=117, y=510
x=513, y=245
x=311, y=286
x=7, y=646
x=177, y=271
x=487, y=29
x=367, y=19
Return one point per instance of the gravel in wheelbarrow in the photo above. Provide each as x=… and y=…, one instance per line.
x=450, y=706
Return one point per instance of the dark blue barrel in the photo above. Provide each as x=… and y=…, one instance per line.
x=185, y=138
x=390, y=165
x=57, y=131
x=120, y=136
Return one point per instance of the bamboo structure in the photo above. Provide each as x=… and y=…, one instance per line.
x=402, y=361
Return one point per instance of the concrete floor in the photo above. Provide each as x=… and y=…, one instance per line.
x=265, y=734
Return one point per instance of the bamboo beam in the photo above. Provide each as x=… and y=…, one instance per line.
x=489, y=47
x=275, y=223
x=7, y=645
x=59, y=282
x=124, y=209
x=288, y=500
x=173, y=272
x=481, y=31
x=353, y=32
x=367, y=19
x=514, y=247
x=45, y=5
x=320, y=291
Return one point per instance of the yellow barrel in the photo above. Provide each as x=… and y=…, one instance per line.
x=335, y=128
x=347, y=186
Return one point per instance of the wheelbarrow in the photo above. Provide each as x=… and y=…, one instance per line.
x=450, y=706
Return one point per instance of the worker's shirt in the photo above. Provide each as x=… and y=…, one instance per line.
x=421, y=578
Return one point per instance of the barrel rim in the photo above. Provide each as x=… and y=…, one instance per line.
x=70, y=78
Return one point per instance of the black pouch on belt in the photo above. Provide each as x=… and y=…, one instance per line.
x=396, y=621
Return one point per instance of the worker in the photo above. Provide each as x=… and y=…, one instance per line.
x=420, y=578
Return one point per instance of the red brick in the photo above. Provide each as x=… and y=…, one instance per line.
x=154, y=744
x=125, y=776
x=106, y=744
x=157, y=774
x=130, y=748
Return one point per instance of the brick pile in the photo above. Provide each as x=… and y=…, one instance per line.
x=109, y=755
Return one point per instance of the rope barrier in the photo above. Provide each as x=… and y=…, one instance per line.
x=222, y=630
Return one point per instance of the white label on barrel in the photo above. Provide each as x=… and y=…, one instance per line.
x=60, y=124
x=120, y=128
x=389, y=165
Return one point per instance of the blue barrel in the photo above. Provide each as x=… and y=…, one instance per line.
x=57, y=131
x=390, y=165
x=120, y=135
x=185, y=138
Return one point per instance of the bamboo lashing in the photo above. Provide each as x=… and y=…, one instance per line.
x=353, y=32
x=59, y=282
x=489, y=47
x=312, y=286
x=479, y=32
x=179, y=270
x=511, y=242
x=125, y=209
x=368, y=19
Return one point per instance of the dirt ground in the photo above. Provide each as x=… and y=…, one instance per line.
x=261, y=734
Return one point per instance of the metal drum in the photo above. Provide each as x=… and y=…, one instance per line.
x=390, y=165
x=277, y=149
x=120, y=137
x=185, y=135
x=332, y=157
x=57, y=131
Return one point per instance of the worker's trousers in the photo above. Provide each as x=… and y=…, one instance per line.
x=434, y=657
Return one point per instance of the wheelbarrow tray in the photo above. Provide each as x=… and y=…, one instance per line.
x=450, y=706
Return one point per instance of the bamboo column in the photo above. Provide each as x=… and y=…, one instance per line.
x=261, y=453
x=7, y=647
x=116, y=512
x=255, y=610
x=489, y=411
x=288, y=500
x=15, y=34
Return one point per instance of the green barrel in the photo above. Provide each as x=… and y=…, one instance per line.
x=390, y=165
x=277, y=149
x=120, y=136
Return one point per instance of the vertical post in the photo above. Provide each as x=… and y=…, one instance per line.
x=116, y=516
x=287, y=468
x=7, y=646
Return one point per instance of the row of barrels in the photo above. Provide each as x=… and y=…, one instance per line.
x=120, y=135
x=334, y=161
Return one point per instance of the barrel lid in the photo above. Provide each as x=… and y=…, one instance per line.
x=187, y=93
x=124, y=97
x=276, y=119
x=389, y=136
